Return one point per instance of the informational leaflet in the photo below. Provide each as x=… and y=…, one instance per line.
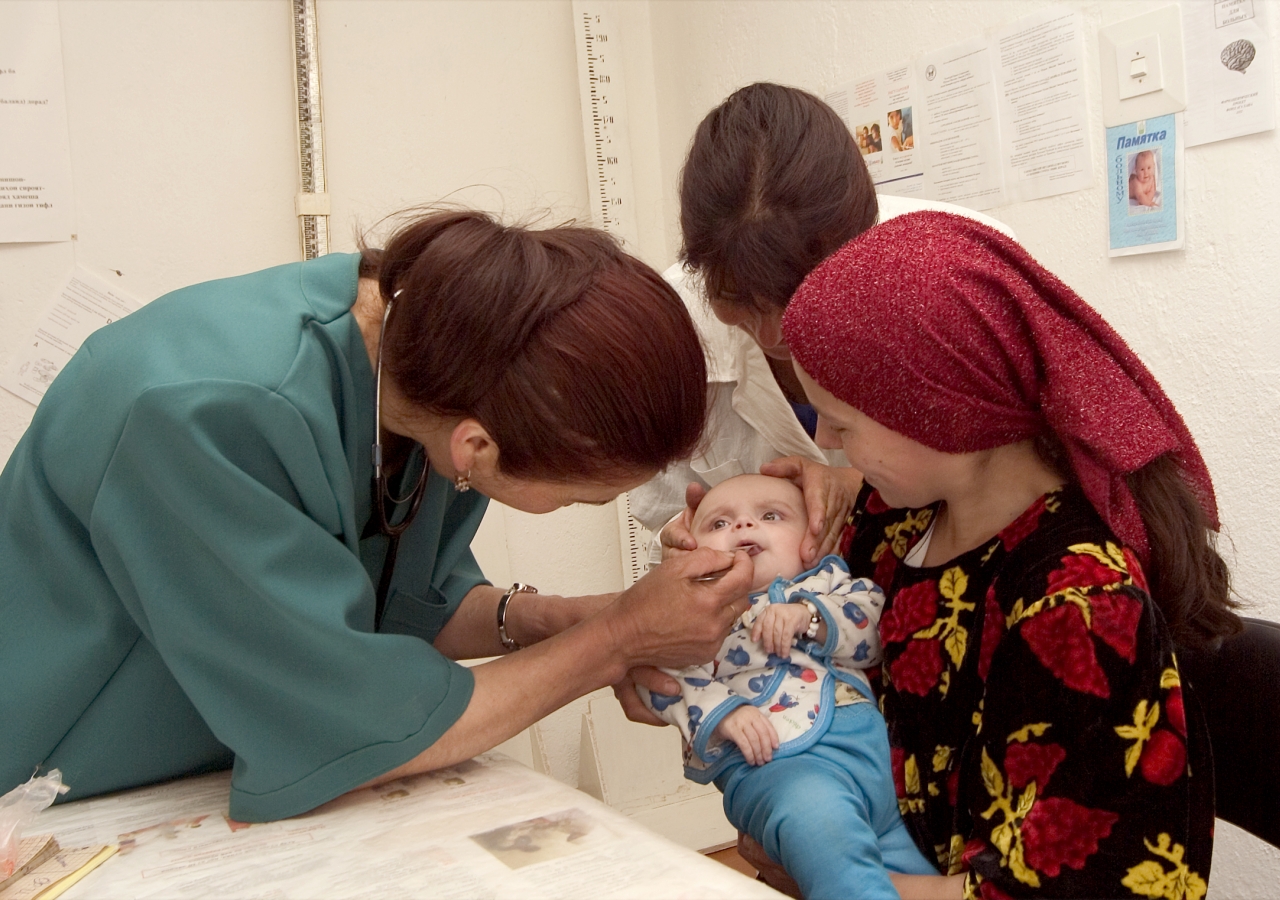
x=35, y=159
x=880, y=111
x=1044, y=115
x=83, y=305
x=1145, y=186
x=960, y=135
x=989, y=121
x=1230, y=77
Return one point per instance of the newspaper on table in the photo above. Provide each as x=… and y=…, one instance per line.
x=487, y=828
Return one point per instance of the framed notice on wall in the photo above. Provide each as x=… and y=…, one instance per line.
x=1144, y=184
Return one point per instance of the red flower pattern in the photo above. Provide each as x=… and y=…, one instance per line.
x=1058, y=832
x=1164, y=758
x=885, y=568
x=992, y=631
x=1028, y=762
x=1115, y=620
x=1060, y=640
x=1079, y=570
x=875, y=504
x=913, y=608
x=917, y=669
x=1136, y=574
x=846, y=540
x=898, y=763
x=1025, y=524
x=1174, y=712
x=989, y=891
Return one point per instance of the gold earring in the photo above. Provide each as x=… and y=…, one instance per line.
x=462, y=483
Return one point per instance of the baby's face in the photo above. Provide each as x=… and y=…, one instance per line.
x=1146, y=169
x=762, y=515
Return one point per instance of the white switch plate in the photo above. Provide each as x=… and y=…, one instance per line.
x=1158, y=35
x=1146, y=49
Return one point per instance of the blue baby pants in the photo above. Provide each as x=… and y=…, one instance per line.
x=829, y=814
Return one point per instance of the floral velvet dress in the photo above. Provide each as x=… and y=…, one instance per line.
x=1040, y=736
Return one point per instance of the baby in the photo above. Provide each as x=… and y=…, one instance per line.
x=787, y=689
x=1142, y=183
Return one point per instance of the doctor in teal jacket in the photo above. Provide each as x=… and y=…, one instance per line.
x=197, y=561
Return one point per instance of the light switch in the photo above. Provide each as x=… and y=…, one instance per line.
x=1140, y=61
x=1138, y=66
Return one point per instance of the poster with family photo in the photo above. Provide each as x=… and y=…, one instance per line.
x=1144, y=190
x=878, y=109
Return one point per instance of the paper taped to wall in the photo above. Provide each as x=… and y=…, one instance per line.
x=35, y=159
x=996, y=119
x=83, y=305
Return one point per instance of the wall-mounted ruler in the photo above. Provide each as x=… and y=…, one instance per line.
x=609, y=186
x=311, y=203
x=604, y=121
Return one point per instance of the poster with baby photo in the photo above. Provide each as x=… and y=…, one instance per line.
x=1144, y=161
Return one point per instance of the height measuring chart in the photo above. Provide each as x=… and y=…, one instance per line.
x=610, y=190
x=604, y=121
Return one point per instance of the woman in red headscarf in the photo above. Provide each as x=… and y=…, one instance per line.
x=1042, y=524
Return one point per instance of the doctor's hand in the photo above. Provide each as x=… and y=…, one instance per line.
x=655, y=681
x=676, y=536
x=829, y=493
x=671, y=619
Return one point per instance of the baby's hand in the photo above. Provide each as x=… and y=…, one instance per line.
x=779, y=625
x=754, y=734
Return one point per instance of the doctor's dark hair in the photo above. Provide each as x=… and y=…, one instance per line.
x=578, y=359
x=773, y=185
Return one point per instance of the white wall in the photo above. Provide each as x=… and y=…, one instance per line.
x=184, y=159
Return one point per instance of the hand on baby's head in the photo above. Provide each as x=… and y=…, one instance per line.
x=762, y=515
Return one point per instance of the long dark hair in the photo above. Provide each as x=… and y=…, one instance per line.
x=1186, y=576
x=773, y=184
x=578, y=359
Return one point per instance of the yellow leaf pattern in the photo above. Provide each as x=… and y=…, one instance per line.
x=1007, y=836
x=1150, y=879
x=1027, y=732
x=899, y=534
x=941, y=756
x=1139, y=732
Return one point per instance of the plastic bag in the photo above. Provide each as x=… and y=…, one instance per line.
x=17, y=810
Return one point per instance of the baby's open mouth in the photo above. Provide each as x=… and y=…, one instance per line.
x=752, y=548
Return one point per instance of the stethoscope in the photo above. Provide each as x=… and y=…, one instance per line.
x=382, y=492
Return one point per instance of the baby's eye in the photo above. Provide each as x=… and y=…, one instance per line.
x=719, y=523
x=771, y=516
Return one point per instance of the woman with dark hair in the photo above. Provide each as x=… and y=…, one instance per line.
x=1043, y=526
x=204, y=564
x=773, y=184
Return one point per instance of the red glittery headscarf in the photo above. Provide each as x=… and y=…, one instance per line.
x=946, y=331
